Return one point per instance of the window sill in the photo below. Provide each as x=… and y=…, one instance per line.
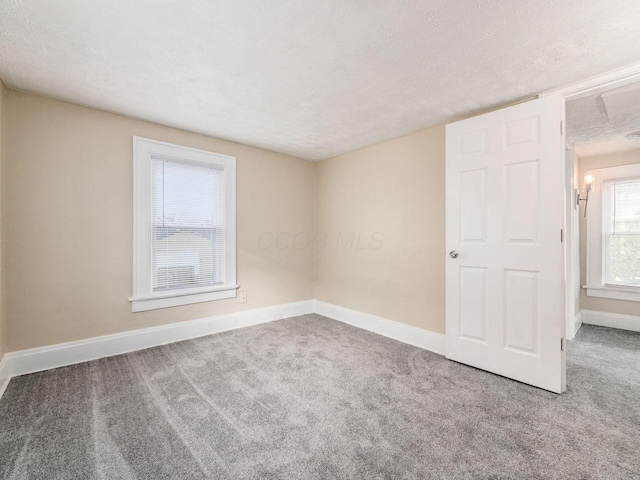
x=616, y=293
x=142, y=304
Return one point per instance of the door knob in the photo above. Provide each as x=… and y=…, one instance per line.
x=453, y=254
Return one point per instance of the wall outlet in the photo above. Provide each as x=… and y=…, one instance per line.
x=243, y=297
x=277, y=316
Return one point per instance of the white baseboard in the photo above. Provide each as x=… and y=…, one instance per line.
x=577, y=323
x=4, y=375
x=418, y=337
x=52, y=356
x=613, y=320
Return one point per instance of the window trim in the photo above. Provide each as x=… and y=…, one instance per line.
x=144, y=298
x=595, y=231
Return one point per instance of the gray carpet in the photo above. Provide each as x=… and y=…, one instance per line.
x=309, y=398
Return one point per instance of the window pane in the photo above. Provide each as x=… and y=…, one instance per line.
x=623, y=260
x=186, y=258
x=622, y=232
x=186, y=194
x=188, y=225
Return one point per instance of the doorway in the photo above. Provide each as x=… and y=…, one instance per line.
x=602, y=217
x=602, y=220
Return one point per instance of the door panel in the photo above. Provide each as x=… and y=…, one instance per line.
x=522, y=202
x=521, y=311
x=473, y=303
x=504, y=207
x=473, y=186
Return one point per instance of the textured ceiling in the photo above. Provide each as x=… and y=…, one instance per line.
x=598, y=123
x=310, y=78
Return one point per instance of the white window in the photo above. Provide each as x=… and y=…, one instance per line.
x=613, y=243
x=184, y=225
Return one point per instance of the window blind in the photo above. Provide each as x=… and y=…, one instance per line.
x=188, y=224
x=621, y=217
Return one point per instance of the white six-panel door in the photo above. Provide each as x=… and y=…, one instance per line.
x=504, y=182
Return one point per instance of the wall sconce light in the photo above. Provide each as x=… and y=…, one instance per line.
x=588, y=181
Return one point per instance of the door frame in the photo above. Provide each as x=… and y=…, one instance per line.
x=606, y=81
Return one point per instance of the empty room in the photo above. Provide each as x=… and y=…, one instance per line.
x=319, y=239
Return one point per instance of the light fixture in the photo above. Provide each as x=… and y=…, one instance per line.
x=588, y=182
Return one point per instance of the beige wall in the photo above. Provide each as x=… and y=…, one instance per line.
x=594, y=303
x=380, y=245
x=68, y=230
x=378, y=216
x=2, y=144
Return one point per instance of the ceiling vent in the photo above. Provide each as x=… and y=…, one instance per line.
x=622, y=103
x=633, y=136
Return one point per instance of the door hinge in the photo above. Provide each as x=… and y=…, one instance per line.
x=562, y=344
x=561, y=235
x=561, y=127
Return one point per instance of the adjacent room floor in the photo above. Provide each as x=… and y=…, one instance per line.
x=309, y=397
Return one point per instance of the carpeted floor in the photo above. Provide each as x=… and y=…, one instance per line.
x=309, y=398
